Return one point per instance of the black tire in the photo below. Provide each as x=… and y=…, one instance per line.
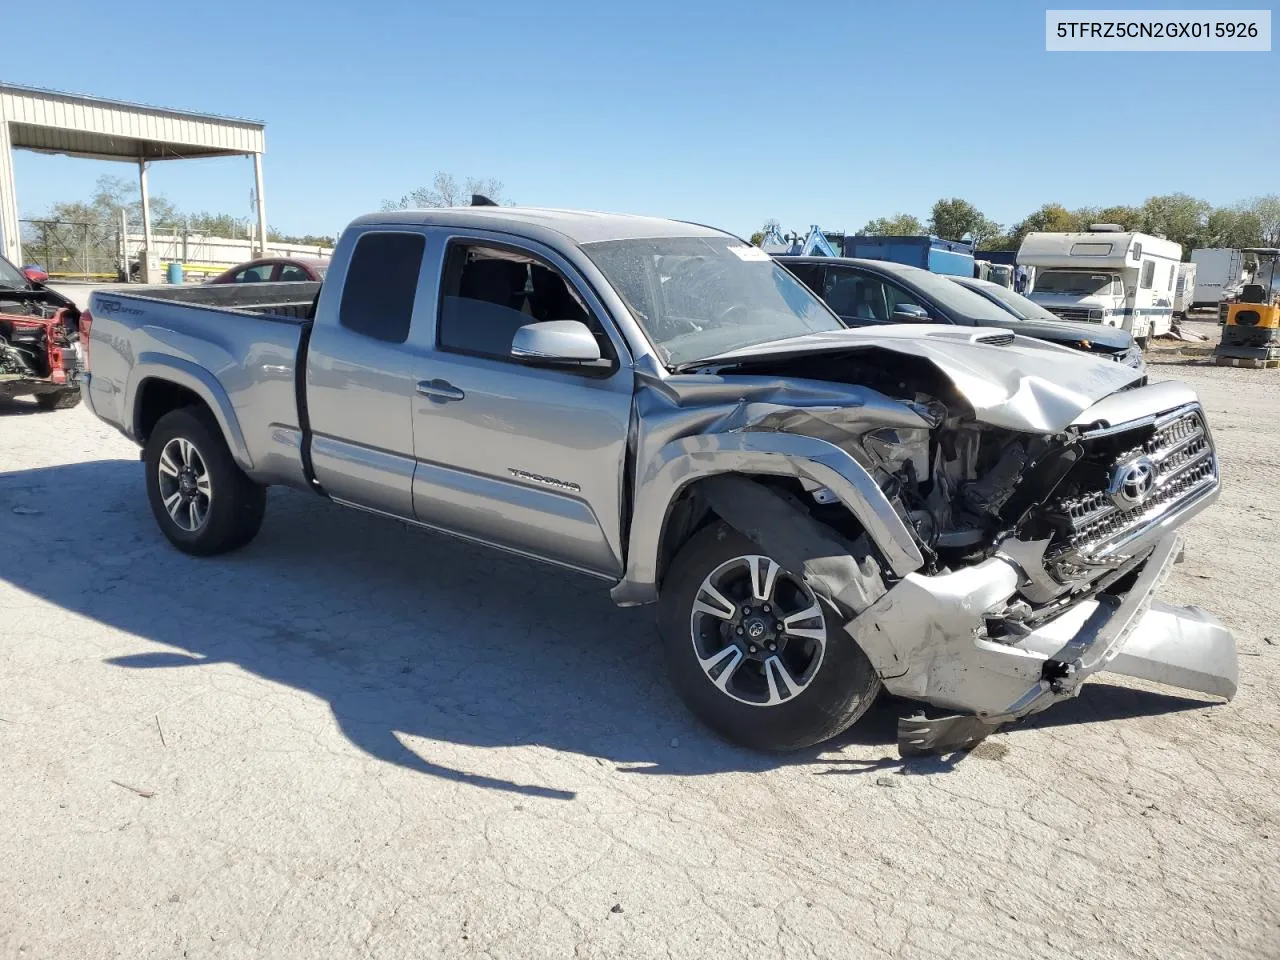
x=236, y=504
x=61, y=400
x=839, y=693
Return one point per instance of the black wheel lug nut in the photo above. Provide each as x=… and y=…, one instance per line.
x=773, y=647
x=751, y=649
x=765, y=608
x=740, y=631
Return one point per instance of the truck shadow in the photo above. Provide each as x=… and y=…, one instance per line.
x=405, y=634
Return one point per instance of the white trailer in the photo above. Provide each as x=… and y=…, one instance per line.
x=1106, y=276
x=1218, y=269
x=1184, y=291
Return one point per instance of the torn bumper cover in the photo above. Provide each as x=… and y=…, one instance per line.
x=927, y=638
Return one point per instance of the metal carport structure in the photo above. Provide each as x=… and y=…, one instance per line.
x=47, y=121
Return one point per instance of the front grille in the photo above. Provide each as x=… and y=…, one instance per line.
x=1181, y=453
x=1073, y=313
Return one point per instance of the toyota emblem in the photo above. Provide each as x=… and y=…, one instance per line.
x=1132, y=483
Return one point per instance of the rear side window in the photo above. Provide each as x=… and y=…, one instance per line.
x=1148, y=274
x=377, y=298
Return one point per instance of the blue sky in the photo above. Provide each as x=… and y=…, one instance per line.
x=725, y=113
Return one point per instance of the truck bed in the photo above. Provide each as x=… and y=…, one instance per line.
x=236, y=347
x=276, y=301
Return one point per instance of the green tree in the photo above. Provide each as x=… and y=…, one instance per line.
x=447, y=191
x=1267, y=210
x=899, y=225
x=110, y=196
x=1050, y=218
x=1232, y=227
x=1127, y=217
x=1177, y=216
x=952, y=219
x=216, y=225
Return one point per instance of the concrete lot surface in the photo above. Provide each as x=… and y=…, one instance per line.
x=354, y=739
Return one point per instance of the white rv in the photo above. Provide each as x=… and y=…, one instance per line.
x=1105, y=276
x=1184, y=291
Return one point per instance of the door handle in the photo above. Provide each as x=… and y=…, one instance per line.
x=441, y=391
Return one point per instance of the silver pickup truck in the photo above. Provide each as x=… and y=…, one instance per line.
x=969, y=518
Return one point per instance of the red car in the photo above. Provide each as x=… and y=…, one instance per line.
x=275, y=270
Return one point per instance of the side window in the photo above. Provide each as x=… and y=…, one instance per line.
x=1148, y=274
x=259, y=274
x=859, y=296
x=290, y=272
x=810, y=274
x=488, y=293
x=897, y=297
x=382, y=279
x=1172, y=271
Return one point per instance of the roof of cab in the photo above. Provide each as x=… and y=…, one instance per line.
x=580, y=226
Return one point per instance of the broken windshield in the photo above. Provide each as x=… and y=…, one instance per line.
x=697, y=297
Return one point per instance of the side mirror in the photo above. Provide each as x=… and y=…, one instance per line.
x=35, y=274
x=555, y=342
x=910, y=313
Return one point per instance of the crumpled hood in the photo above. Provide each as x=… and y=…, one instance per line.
x=1021, y=384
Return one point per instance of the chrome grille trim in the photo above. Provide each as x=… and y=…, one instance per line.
x=1186, y=471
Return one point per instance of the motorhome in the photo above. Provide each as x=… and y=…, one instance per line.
x=1105, y=276
x=1184, y=290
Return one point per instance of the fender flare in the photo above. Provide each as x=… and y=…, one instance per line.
x=184, y=373
x=689, y=459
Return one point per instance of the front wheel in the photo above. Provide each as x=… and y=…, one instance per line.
x=203, y=502
x=753, y=652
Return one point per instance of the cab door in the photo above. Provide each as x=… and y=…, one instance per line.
x=523, y=457
x=360, y=379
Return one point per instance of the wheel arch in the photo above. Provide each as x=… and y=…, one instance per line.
x=670, y=499
x=163, y=384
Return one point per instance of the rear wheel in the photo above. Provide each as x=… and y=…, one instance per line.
x=203, y=502
x=754, y=653
x=60, y=400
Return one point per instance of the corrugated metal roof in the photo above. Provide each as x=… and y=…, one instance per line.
x=55, y=122
x=106, y=101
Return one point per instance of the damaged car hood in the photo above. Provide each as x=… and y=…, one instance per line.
x=1010, y=381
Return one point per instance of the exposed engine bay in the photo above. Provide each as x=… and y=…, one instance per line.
x=39, y=343
x=1023, y=509
x=1072, y=507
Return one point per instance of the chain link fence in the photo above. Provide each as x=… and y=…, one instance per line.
x=72, y=250
x=75, y=250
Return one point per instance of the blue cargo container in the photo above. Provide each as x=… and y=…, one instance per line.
x=954, y=257
x=1008, y=257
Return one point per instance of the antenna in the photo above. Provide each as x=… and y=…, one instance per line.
x=480, y=200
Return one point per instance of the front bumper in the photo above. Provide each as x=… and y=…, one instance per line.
x=926, y=639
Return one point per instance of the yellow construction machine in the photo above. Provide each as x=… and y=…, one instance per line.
x=1252, y=328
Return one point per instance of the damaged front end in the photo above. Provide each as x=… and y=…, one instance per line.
x=1036, y=545
x=1043, y=553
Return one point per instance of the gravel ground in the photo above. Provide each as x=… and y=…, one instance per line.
x=354, y=739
